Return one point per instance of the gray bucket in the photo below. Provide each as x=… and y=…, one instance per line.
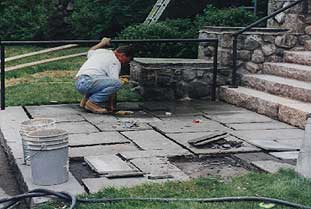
x=49, y=156
x=33, y=125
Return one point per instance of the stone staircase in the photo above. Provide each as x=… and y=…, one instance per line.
x=282, y=91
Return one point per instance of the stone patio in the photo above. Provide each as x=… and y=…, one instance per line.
x=132, y=150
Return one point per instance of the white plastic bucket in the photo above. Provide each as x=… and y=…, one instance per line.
x=49, y=156
x=33, y=125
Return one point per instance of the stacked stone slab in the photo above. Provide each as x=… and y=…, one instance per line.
x=170, y=79
x=282, y=91
x=273, y=66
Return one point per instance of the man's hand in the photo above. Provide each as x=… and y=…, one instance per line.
x=103, y=43
x=106, y=41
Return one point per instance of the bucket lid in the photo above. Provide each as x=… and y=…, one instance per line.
x=38, y=122
x=46, y=134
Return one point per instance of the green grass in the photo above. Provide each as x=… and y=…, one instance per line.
x=283, y=185
x=33, y=86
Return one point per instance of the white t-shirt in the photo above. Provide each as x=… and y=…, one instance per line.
x=101, y=62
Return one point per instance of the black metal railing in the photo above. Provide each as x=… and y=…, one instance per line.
x=213, y=42
x=236, y=34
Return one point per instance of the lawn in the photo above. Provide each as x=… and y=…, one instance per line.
x=284, y=185
x=49, y=83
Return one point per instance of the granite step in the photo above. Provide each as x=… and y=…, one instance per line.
x=290, y=88
x=290, y=111
x=288, y=70
x=298, y=57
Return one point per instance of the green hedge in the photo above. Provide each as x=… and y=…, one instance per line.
x=183, y=28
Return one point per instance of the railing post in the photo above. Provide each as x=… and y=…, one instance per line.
x=234, y=61
x=215, y=62
x=2, y=76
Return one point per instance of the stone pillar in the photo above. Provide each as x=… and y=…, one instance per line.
x=293, y=19
x=304, y=159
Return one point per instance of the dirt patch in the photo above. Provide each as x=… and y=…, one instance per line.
x=56, y=75
x=80, y=170
x=223, y=167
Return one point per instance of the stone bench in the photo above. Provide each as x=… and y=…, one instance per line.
x=170, y=78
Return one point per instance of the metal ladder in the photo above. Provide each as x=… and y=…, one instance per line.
x=156, y=11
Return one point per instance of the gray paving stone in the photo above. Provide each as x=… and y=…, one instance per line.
x=100, y=138
x=53, y=110
x=75, y=152
x=159, y=168
x=260, y=126
x=218, y=107
x=99, y=118
x=77, y=127
x=156, y=106
x=248, y=117
x=123, y=126
x=109, y=165
x=140, y=120
x=280, y=144
x=175, y=108
x=66, y=118
x=72, y=186
x=272, y=166
x=155, y=153
x=184, y=126
x=131, y=106
x=285, y=155
x=183, y=138
x=97, y=184
x=152, y=140
x=270, y=134
x=10, y=121
x=255, y=156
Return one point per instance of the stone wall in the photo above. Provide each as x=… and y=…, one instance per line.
x=293, y=19
x=254, y=48
x=170, y=79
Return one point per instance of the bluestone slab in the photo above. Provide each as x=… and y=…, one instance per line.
x=278, y=144
x=279, y=134
x=286, y=155
x=155, y=153
x=248, y=117
x=272, y=166
x=123, y=126
x=159, y=168
x=151, y=140
x=188, y=126
x=183, y=138
x=100, y=138
x=260, y=126
x=109, y=165
x=77, y=127
x=75, y=152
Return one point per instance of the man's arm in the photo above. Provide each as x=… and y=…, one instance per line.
x=103, y=43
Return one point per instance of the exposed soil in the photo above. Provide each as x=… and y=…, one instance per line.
x=223, y=167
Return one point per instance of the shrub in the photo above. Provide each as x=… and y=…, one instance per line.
x=183, y=28
x=180, y=28
x=234, y=17
x=21, y=19
x=94, y=19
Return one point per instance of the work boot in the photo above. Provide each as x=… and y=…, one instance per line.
x=91, y=106
x=83, y=102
